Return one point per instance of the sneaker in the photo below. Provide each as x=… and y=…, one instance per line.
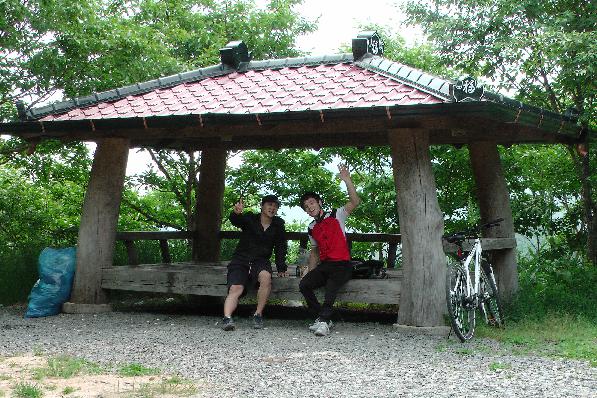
x=323, y=329
x=227, y=324
x=315, y=325
x=257, y=321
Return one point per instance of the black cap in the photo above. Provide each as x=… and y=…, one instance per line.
x=270, y=199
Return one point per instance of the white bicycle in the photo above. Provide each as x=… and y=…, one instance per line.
x=470, y=285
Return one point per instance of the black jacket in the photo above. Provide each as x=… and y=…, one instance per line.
x=257, y=244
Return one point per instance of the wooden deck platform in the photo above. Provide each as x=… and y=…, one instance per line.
x=209, y=279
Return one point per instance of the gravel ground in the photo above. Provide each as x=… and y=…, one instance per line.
x=285, y=360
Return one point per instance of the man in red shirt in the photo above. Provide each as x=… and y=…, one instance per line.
x=329, y=260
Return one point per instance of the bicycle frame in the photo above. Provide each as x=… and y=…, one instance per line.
x=480, y=292
x=474, y=254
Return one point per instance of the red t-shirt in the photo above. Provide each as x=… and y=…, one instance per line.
x=328, y=234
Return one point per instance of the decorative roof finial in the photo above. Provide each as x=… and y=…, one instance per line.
x=234, y=53
x=467, y=89
x=21, y=110
x=367, y=43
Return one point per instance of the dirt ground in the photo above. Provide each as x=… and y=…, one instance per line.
x=18, y=370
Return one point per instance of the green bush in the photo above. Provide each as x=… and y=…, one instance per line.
x=18, y=273
x=554, y=281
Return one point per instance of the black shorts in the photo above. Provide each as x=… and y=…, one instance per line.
x=246, y=274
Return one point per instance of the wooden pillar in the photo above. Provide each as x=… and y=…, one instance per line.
x=422, y=294
x=208, y=208
x=494, y=203
x=97, y=232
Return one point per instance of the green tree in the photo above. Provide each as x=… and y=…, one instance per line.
x=544, y=50
x=79, y=47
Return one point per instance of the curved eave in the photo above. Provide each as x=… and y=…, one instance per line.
x=448, y=123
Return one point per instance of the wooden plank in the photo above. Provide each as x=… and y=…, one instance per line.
x=300, y=236
x=153, y=235
x=486, y=244
x=210, y=280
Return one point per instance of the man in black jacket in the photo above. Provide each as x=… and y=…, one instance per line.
x=261, y=235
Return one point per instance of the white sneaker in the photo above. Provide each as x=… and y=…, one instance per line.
x=315, y=325
x=323, y=329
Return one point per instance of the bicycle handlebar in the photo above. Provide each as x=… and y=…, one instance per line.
x=462, y=235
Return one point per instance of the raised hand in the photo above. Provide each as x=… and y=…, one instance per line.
x=344, y=172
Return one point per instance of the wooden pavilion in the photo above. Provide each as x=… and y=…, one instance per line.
x=358, y=99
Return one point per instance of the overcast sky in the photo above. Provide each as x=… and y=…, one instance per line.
x=339, y=22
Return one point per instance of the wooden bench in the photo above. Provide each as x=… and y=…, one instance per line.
x=209, y=278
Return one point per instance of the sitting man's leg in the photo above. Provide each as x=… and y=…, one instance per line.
x=340, y=273
x=265, y=287
x=238, y=275
x=314, y=279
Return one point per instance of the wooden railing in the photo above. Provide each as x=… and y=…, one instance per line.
x=129, y=238
x=393, y=240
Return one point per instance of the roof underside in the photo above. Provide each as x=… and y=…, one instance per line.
x=297, y=102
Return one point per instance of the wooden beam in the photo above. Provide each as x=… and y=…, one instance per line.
x=494, y=203
x=97, y=232
x=488, y=244
x=423, y=298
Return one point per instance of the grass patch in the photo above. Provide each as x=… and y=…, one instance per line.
x=174, y=386
x=464, y=351
x=555, y=335
x=135, y=369
x=26, y=390
x=65, y=367
x=496, y=366
x=68, y=390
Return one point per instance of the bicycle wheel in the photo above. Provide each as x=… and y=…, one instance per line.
x=489, y=302
x=460, y=307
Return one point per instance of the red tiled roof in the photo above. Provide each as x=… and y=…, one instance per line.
x=293, y=89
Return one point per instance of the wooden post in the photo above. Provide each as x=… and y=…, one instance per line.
x=422, y=296
x=131, y=251
x=208, y=208
x=97, y=232
x=165, y=250
x=392, y=248
x=494, y=203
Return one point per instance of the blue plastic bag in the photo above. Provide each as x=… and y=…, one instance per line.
x=56, y=272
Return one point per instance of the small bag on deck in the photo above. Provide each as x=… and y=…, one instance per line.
x=367, y=269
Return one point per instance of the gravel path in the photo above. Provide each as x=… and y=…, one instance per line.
x=285, y=360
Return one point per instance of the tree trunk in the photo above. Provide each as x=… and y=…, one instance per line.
x=494, y=203
x=422, y=297
x=589, y=205
x=97, y=232
x=208, y=207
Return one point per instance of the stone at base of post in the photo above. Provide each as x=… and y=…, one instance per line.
x=77, y=308
x=428, y=330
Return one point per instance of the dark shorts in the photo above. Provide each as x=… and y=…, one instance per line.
x=246, y=274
